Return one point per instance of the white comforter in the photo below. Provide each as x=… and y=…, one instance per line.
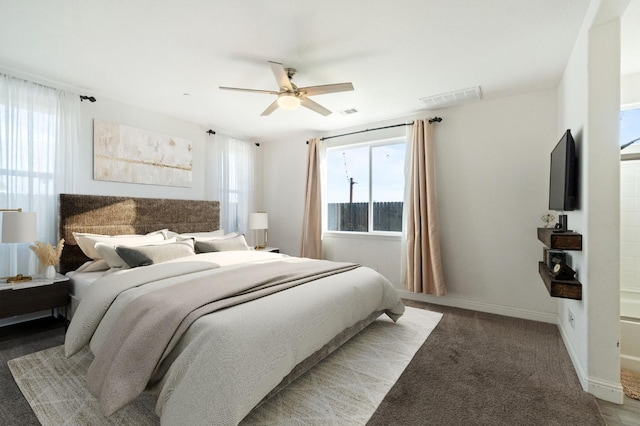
x=229, y=360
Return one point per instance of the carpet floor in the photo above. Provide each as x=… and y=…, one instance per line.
x=345, y=388
x=630, y=383
x=485, y=369
x=475, y=369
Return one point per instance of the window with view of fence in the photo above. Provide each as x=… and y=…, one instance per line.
x=354, y=217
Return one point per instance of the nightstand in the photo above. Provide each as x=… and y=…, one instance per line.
x=269, y=249
x=36, y=295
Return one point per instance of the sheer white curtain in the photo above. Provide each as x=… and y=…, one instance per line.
x=230, y=177
x=39, y=129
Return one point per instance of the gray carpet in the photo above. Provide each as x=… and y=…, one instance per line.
x=16, y=341
x=475, y=369
x=484, y=369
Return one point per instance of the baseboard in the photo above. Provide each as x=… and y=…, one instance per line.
x=601, y=389
x=630, y=362
x=607, y=391
x=577, y=365
x=481, y=307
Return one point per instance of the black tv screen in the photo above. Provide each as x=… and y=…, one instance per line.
x=563, y=180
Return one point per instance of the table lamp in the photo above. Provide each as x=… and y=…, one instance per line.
x=18, y=227
x=259, y=220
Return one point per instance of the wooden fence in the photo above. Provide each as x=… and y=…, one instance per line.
x=387, y=216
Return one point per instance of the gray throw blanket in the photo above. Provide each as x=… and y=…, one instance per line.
x=150, y=327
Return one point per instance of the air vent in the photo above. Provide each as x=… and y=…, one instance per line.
x=349, y=111
x=444, y=100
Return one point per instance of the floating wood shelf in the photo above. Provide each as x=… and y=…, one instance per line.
x=560, y=240
x=568, y=289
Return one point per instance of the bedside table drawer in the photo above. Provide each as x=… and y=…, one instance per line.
x=33, y=299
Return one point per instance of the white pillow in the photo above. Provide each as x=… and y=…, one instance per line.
x=108, y=252
x=155, y=253
x=93, y=266
x=87, y=242
x=203, y=235
x=234, y=243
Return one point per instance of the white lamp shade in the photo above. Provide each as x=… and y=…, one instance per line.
x=19, y=227
x=288, y=101
x=258, y=220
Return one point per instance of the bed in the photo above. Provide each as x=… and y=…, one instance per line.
x=217, y=361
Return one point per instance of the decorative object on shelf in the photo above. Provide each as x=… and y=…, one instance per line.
x=547, y=219
x=561, y=226
x=551, y=257
x=259, y=220
x=562, y=271
x=48, y=256
x=555, y=283
x=18, y=227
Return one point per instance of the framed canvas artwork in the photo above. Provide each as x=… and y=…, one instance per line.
x=126, y=154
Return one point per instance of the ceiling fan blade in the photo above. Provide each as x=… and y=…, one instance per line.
x=281, y=76
x=271, y=108
x=327, y=88
x=308, y=103
x=237, y=89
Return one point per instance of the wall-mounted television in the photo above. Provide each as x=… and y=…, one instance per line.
x=563, y=182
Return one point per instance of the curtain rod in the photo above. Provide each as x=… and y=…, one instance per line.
x=431, y=120
x=213, y=132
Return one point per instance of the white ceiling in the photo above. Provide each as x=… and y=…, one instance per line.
x=149, y=53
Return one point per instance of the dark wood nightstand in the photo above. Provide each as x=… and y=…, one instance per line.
x=36, y=295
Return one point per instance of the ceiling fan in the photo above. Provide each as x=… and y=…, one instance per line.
x=291, y=96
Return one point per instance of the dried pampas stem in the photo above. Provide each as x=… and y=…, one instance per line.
x=47, y=254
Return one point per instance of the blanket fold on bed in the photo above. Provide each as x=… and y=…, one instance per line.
x=151, y=327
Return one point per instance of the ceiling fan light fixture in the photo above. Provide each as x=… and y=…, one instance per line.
x=288, y=101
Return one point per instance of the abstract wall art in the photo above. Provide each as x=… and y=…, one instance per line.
x=126, y=154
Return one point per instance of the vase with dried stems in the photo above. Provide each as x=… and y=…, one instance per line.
x=49, y=256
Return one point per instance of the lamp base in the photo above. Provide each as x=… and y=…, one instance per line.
x=18, y=279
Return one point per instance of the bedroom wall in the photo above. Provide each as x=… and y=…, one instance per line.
x=589, y=101
x=492, y=177
x=109, y=110
x=630, y=90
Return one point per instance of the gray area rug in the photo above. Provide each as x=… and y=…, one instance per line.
x=345, y=388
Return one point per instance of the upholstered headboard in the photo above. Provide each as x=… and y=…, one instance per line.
x=127, y=215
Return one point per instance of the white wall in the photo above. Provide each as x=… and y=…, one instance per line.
x=284, y=170
x=492, y=160
x=589, y=101
x=630, y=90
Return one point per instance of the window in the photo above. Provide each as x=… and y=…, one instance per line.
x=365, y=187
x=38, y=132
x=629, y=126
x=230, y=180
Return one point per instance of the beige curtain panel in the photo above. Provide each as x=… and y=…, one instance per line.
x=311, y=243
x=423, y=261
